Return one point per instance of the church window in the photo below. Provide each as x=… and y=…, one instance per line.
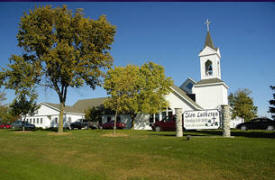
x=109, y=118
x=157, y=117
x=208, y=68
x=118, y=119
x=189, y=85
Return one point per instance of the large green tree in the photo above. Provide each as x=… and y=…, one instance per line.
x=23, y=106
x=272, y=104
x=122, y=84
x=6, y=115
x=3, y=108
x=135, y=89
x=61, y=49
x=242, y=104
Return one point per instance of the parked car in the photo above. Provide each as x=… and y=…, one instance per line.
x=83, y=124
x=110, y=125
x=94, y=125
x=5, y=126
x=19, y=125
x=258, y=123
x=79, y=124
x=166, y=124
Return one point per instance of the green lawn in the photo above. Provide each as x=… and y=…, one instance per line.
x=88, y=154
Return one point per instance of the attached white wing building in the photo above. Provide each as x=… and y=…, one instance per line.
x=48, y=114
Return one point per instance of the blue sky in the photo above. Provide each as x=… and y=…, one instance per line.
x=172, y=34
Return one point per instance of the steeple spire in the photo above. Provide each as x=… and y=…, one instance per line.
x=208, y=40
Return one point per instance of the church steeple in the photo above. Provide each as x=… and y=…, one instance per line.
x=210, y=58
x=208, y=39
x=210, y=92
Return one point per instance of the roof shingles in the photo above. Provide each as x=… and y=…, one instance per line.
x=209, y=81
x=81, y=105
x=182, y=93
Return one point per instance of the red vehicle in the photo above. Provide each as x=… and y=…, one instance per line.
x=5, y=126
x=110, y=125
x=167, y=124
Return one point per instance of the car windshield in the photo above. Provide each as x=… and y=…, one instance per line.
x=76, y=122
x=261, y=120
x=167, y=118
x=82, y=120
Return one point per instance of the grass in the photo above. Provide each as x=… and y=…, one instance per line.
x=91, y=154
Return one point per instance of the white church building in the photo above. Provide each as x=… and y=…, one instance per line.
x=208, y=93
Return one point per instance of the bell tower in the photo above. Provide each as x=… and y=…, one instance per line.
x=210, y=58
x=210, y=91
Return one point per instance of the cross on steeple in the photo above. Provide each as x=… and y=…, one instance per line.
x=207, y=24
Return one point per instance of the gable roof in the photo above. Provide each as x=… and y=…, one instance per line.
x=82, y=105
x=79, y=107
x=187, y=81
x=57, y=107
x=184, y=85
x=184, y=96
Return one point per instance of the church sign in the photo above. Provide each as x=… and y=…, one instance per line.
x=207, y=119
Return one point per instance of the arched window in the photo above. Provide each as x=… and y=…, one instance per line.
x=208, y=68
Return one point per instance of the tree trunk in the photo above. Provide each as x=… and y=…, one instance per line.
x=23, y=127
x=114, y=132
x=133, y=116
x=60, y=123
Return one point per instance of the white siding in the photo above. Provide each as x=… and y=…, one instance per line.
x=45, y=110
x=177, y=102
x=214, y=57
x=142, y=122
x=49, y=116
x=210, y=96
